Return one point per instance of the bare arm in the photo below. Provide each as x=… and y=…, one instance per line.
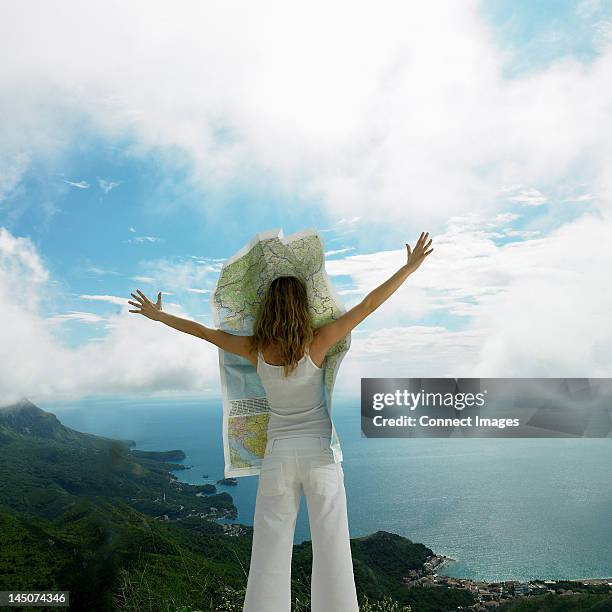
x=332, y=332
x=184, y=325
x=383, y=292
x=228, y=342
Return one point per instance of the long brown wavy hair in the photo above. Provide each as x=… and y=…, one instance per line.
x=284, y=321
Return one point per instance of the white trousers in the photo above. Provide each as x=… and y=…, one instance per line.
x=289, y=466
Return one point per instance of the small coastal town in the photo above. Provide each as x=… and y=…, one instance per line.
x=212, y=513
x=488, y=594
x=492, y=594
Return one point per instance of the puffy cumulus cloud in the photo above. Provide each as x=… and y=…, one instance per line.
x=535, y=307
x=135, y=356
x=553, y=317
x=378, y=111
x=393, y=111
x=476, y=307
x=24, y=339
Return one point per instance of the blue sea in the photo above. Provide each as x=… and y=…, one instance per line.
x=502, y=508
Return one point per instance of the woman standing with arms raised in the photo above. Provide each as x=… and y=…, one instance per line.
x=288, y=353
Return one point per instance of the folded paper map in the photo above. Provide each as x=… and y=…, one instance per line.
x=242, y=284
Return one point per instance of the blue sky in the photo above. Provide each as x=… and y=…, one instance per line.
x=143, y=158
x=538, y=33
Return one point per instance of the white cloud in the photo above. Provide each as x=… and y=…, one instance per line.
x=587, y=8
x=194, y=290
x=19, y=259
x=112, y=299
x=394, y=117
x=75, y=315
x=135, y=356
x=506, y=217
x=142, y=279
x=106, y=186
x=179, y=274
x=587, y=197
x=348, y=221
x=13, y=164
x=338, y=251
x=539, y=307
x=521, y=233
x=100, y=271
x=388, y=115
x=141, y=239
x=529, y=197
x=80, y=184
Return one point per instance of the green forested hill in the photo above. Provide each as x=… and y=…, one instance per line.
x=82, y=513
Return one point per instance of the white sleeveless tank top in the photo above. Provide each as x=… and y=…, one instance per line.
x=297, y=402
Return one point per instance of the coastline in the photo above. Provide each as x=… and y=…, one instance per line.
x=167, y=431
